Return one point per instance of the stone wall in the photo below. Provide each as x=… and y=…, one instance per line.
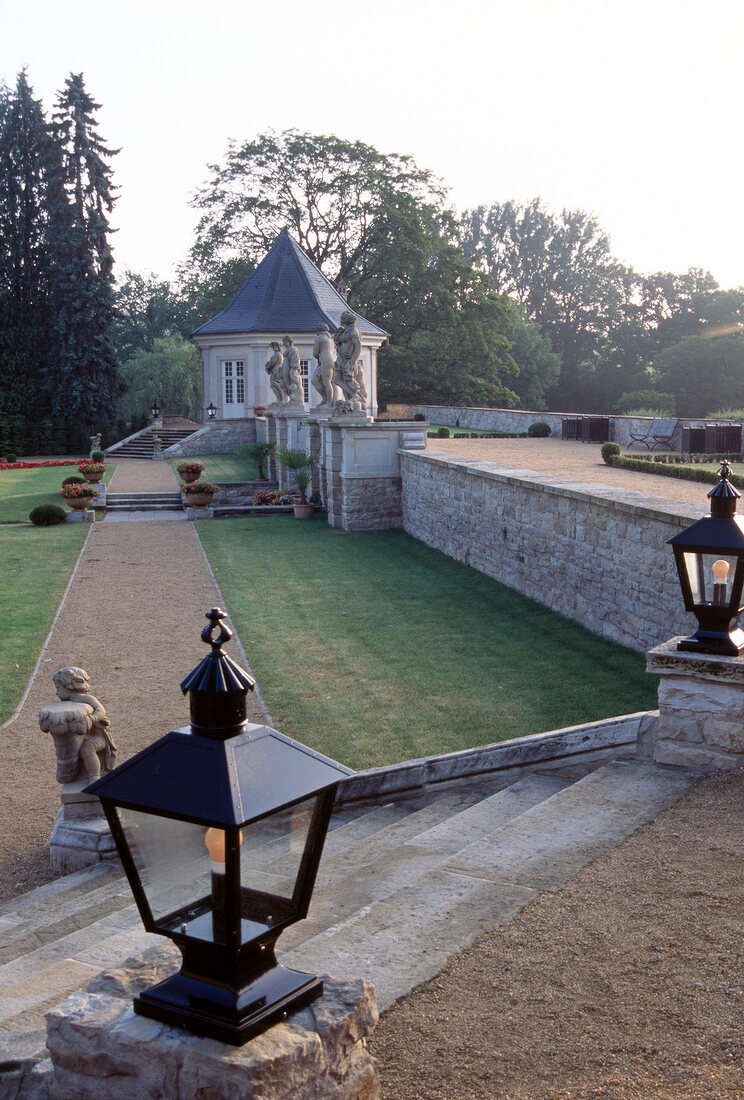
x=593, y=553
x=360, y=473
x=622, y=428
x=219, y=437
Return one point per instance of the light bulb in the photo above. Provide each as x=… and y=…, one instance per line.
x=720, y=569
x=215, y=842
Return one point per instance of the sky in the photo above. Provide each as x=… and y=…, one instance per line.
x=632, y=111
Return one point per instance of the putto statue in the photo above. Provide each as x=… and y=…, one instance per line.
x=348, y=343
x=325, y=358
x=275, y=371
x=80, y=728
x=291, y=373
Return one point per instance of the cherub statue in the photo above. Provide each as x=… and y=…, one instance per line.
x=275, y=371
x=80, y=728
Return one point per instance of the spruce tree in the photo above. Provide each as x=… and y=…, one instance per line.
x=83, y=375
x=24, y=265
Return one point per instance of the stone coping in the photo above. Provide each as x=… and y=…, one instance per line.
x=623, y=500
x=570, y=745
x=667, y=660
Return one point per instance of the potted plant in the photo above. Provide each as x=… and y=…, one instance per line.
x=78, y=497
x=259, y=451
x=300, y=464
x=199, y=493
x=92, y=471
x=189, y=471
x=259, y=410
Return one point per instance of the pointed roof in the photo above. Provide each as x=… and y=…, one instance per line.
x=286, y=293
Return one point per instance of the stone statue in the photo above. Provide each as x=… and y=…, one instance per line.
x=275, y=371
x=348, y=350
x=291, y=373
x=95, y=442
x=322, y=378
x=80, y=728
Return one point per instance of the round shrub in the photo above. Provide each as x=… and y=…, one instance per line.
x=11, y=458
x=73, y=479
x=97, y=456
x=47, y=515
x=610, y=451
x=443, y=433
x=538, y=429
x=419, y=416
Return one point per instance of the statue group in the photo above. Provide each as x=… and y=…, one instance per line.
x=337, y=364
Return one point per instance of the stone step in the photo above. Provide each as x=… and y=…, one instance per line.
x=405, y=938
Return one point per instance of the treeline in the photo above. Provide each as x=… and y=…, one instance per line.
x=507, y=305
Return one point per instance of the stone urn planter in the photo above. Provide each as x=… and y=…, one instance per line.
x=189, y=472
x=259, y=410
x=93, y=472
x=199, y=494
x=79, y=504
x=79, y=497
x=303, y=511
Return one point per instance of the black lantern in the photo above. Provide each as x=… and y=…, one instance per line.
x=220, y=826
x=155, y=410
x=211, y=410
x=710, y=561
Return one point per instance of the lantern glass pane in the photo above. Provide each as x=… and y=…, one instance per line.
x=174, y=868
x=270, y=861
x=711, y=577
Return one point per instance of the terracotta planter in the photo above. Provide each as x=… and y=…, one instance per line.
x=303, y=511
x=259, y=410
x=189, y=478
x=199, y=500
x=79, y=503
x=93, y=479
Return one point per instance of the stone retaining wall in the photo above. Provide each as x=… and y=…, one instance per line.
x=622, y=428
x=593, y=553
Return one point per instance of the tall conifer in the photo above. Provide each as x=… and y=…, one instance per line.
x=83, y=374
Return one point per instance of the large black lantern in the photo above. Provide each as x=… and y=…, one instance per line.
x=220, y=827
x=211, y=410
x=155, y=410
x=710, y=561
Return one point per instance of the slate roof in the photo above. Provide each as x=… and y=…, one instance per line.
x=286, y=293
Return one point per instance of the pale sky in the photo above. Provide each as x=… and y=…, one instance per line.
x=631, y=110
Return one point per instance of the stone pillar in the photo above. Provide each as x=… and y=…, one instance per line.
x=100, y=1050
x=271, y=437
x=81, y=836
x=701, y=708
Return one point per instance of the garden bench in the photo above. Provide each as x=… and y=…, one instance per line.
x=658, y=434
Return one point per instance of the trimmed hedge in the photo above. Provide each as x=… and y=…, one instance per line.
x=675, y=468
x=47, y=515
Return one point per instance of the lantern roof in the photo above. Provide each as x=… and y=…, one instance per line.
x=286, y=293
x=219, y=782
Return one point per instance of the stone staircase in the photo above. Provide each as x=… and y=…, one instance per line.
x=142, y=446
x=143, y=502
x=401, y=887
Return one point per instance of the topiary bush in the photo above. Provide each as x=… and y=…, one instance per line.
x=97, y=456
x=443, y=433
x=538, y=430
x=73, y=479
x=610, y=451
x=11, y=458
x=47, y=515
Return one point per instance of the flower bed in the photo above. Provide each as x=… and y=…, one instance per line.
x=49, y=462
x=268, y=497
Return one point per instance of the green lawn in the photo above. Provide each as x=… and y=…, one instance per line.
x=36, y=565
x=223, y=468
x=22, y=490
x=373, y=648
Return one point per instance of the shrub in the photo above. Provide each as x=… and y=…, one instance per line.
x=648, y=411
x=538, y=430
x=272, y=496
x=200, y=487
x=419, y=416
x=662, y=404
x=11, y=458
x=73, y=479
x=47, y=515
x=610, y=451
x=97, y=456
x=726, y=414
x=442, y=433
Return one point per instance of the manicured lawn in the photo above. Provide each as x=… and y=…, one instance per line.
x=36, y=564
x=223, y=467
x=373, y=648
x=22, y=490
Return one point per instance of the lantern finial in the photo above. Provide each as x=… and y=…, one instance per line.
x=723, y=496
x=217, y=685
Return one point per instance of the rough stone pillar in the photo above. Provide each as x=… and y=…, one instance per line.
x=81, y=835
x=701, y=707
x=100, y=1050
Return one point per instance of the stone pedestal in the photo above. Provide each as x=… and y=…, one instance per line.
x=100, y=1050
x=80, y=517
x=701, y=708
x=80, y=836
x=203, y=512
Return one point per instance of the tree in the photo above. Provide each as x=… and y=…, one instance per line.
x=328, y=192
x=704, y=373
x=24, y=262
x=562, y=271
x=170, y=374
x=82, y=372
x=146, y=309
